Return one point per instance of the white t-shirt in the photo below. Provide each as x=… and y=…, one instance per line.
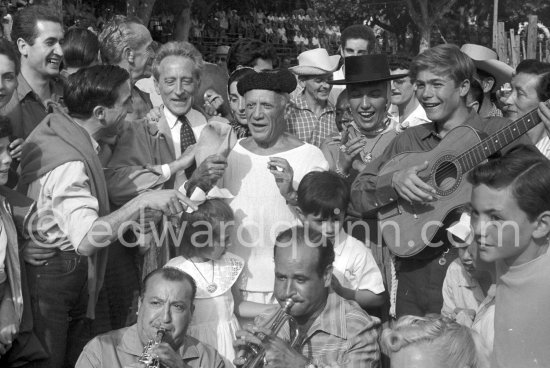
x=354, y=265
x=260, y=210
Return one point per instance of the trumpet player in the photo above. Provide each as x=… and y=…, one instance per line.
x=331, y=331
x=166, y=305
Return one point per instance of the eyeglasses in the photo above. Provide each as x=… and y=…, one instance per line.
x=505, y=90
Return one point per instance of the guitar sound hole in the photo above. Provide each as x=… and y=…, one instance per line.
x=446, y=176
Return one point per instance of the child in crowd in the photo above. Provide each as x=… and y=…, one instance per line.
x=322, y=201
x=468, y=288
x=511, y=223
x=206, y=234
x=464, y=287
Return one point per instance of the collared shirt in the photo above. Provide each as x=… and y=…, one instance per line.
x=122, y=348
x=302, y=122
x=25, y=109
x=343, y=335
x=417, y=117
x=354, y=265
x=460, y=290
x=65, y=205
x=371, y=191
x=337, y=88
x=196, y=120
x=484, y=322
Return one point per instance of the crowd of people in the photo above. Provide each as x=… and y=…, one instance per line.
x=305, y=29
x=158, y=210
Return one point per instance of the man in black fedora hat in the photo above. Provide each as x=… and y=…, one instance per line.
x=367, y=82
x=442, y=76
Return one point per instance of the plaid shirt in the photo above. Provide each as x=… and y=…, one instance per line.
x=343, y=335
x=495, y=111
x=302, y=122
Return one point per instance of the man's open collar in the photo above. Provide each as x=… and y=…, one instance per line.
x=472, y=120
x=300, y=103
x=131, y=344
x=23, y=89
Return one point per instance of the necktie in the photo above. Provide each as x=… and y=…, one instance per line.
x=187, y=138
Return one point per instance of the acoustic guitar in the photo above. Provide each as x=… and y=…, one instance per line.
x=407, y=228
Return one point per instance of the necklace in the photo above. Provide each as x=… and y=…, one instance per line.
x=212, y=287
x=366, y=154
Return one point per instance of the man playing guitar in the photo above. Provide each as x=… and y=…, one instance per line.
x=442, y=75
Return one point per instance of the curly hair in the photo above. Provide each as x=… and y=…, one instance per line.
x=119, y=33
x=452, y=344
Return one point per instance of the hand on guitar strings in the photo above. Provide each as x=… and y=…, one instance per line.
x=410, y=187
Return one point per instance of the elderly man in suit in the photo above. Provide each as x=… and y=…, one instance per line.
x=154, y=155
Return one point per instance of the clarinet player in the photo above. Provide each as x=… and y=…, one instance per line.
x=158, y=339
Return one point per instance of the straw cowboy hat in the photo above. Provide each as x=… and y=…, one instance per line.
x=315, y=62
x=367, y=69
x=487, y=60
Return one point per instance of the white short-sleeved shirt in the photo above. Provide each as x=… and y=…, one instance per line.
x=354, y=265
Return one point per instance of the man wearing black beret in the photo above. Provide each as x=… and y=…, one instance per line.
x=262, y=205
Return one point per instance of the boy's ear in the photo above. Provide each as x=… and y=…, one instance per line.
x=464, y=87
x=542, y=226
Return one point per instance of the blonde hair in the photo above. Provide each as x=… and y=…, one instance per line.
x=453, y=344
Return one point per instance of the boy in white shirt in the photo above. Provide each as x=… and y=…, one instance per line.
x=323, y=198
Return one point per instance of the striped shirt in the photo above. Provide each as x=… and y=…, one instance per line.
x=302, y=122
x=342, y=335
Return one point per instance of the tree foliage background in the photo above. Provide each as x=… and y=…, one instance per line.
x=426, y=20
x=453, y=20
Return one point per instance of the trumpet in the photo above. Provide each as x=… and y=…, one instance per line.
x=252, y=356
x=147, y=357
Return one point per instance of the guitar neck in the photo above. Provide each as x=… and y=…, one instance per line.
x=498, y=140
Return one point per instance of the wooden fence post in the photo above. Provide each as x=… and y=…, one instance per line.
x=502, y=43
x=532, y=31
x=514, y=59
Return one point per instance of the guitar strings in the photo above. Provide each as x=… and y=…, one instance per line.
x=449, y=166
x=479, y=146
